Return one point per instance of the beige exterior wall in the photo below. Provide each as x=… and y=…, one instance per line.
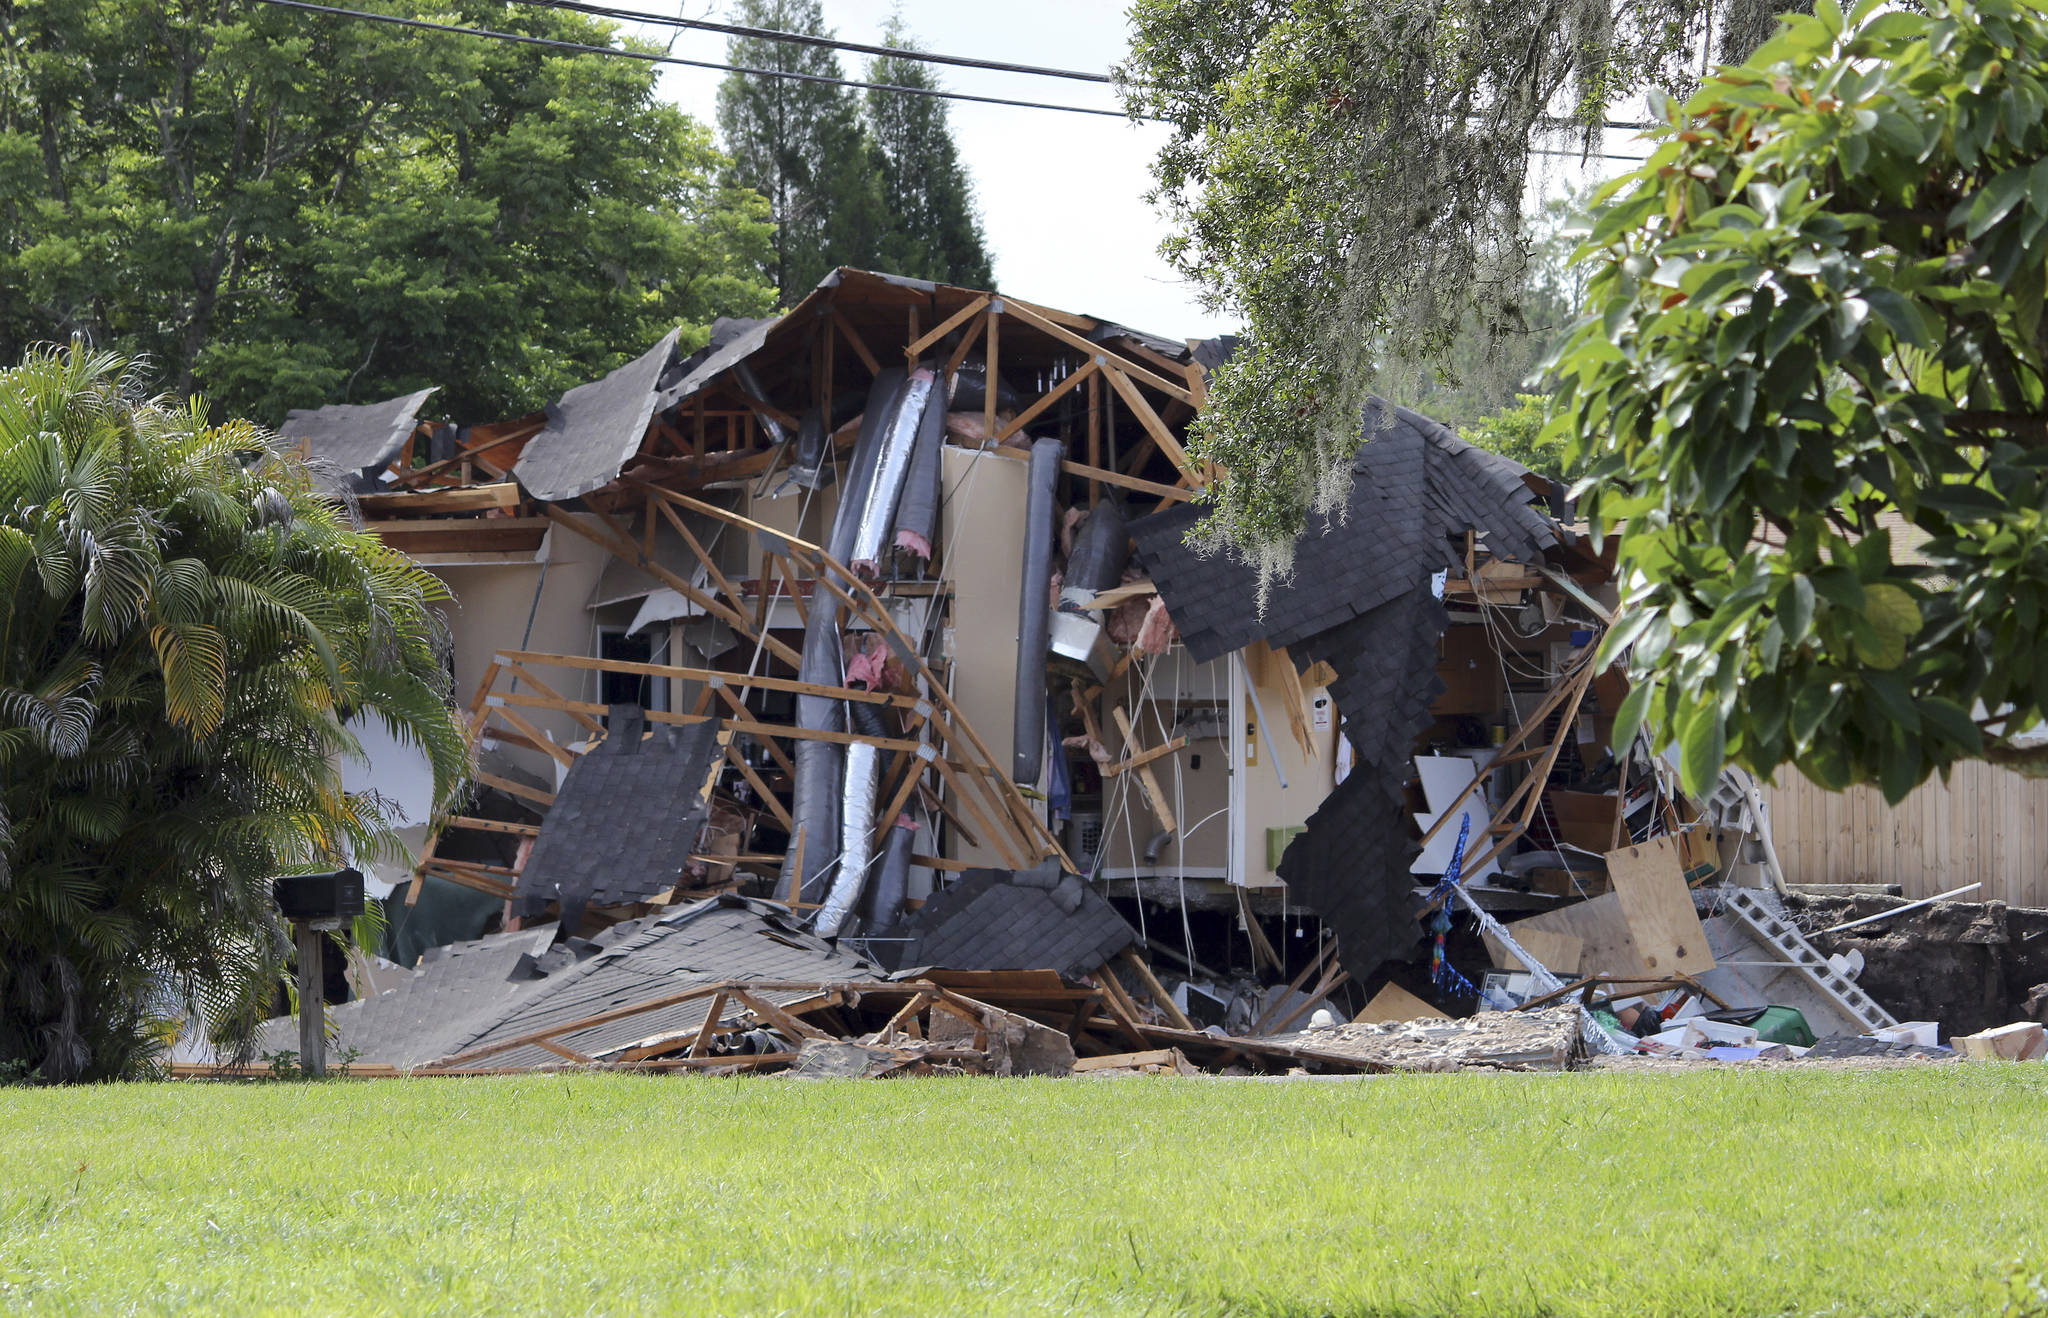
x=1176, y=697
x=489, y=614
x=1986, y=824
x=1267, y=804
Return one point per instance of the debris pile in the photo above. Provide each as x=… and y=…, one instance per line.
x=847, y=700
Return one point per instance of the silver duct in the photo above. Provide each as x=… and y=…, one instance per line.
x=879, y=512
x=1034, y=610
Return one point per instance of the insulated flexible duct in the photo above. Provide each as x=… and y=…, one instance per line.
x=879, y=512
x=815, y=806
x=856, y=820
x=1034, y=610
x=809, y=468
x=917, y=512
x=892, y=880
x=1101, y=548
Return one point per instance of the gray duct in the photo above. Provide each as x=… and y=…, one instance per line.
x=819, y=764
x=809, y=469
x=917, y=512
x=1034, y=610
x=857, y=820
x=1101, y=548
x=752, y=384
x=892, y=880
x=879, y=512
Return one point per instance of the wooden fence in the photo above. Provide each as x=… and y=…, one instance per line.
x=1986, y=824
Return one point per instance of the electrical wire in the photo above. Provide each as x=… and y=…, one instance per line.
x=825, y=43
x=648, y=57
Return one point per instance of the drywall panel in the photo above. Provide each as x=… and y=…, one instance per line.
x=982, y=522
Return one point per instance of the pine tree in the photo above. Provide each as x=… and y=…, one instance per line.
x=937, y=231
x=803, y=145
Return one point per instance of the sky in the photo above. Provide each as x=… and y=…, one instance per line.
x=1062, y=196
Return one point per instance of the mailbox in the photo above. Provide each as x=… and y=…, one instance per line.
x=333, y=896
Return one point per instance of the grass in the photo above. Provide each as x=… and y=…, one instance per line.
x=1904, y=1191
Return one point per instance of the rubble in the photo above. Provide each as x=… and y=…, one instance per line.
x=846, y=713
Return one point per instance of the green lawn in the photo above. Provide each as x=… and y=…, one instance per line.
x=1760, y=1192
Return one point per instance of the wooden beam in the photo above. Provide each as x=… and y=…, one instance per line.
x=1156, y=989
x=476, y=498
x=516, y=788
x=1154, y=795
x=1144, y=758
x=541, y=741
x=492, y=825
x=1045, y=400
x=1097, y=351
x=853, y=340
x=589, y=724
x=768, y=798
x=1104, y=474
x=742, y=681
x=701, y=1045
x=942, y=329
x=1157, y=429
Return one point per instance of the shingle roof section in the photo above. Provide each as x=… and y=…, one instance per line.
x=999, y=920
x=626, y=817
x=349, y=438
x=468, y=995
x=594, y=428
x=1416, y=488
x=1350, y=863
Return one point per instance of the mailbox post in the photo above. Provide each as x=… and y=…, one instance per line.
x=315, y=904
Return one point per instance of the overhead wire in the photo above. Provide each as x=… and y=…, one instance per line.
x=649, y=57
x=818, y=42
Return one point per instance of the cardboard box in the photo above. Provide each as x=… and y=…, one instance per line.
x=1583, y=819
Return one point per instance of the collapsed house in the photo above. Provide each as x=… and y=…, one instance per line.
x=849, y=683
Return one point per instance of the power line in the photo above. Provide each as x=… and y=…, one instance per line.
x=805, y=39
x=645, y=57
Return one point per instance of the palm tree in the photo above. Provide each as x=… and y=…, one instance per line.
x=184, y=626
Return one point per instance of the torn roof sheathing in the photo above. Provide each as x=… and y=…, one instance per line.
x=997, y=920
x=1415, y=485
x=624, y=819
x=350, y=438
x=594, y=429
x=471, y=995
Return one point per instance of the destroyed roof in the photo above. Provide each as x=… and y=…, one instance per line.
x=1000, y=920
x=594, y=428
x=1415, y=485
x=725, y=938
x=743, y=339
x=1350, y=862
x=350, y=437
x=505, y=986
x=624, y=819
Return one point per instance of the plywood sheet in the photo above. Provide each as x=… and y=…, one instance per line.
x=1605, y=947
x=1649, y=883
x=1559, y=952
x=1394, y=1003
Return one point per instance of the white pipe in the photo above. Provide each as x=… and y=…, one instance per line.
x=1901, y=910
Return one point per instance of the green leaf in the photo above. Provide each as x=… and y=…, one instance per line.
x=1894, y=620
x=1994, y=201
x=1702, y=746
x=1952, y=721
x=1795, y=608
x=1811, y=704
x=1628, y=720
